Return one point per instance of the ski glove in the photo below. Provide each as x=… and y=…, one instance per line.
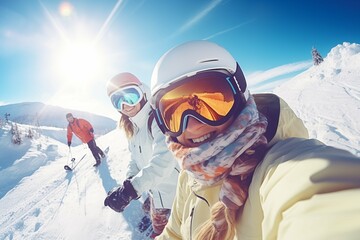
x=69, y=143
x=117, y=200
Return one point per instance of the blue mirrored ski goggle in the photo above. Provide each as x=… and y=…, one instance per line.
x=130, y=95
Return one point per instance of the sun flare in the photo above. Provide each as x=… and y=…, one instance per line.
x=78, y=62
x=66, y=9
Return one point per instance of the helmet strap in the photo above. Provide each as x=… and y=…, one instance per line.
x=240, y=78
x=143, y=101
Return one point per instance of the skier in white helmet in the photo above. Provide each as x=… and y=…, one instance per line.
x=152, y=168
x=249, y=170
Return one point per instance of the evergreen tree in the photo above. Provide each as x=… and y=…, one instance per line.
x=316, y=56
x=16, y=138
x=30, y=134
x=7, y=117
x=12, y=129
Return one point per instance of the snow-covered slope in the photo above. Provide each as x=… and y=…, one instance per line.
x=19, y=161
x=327, y=98
x=55, y=204
x=51, y=203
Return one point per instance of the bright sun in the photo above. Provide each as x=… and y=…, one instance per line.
x=66, y=9
x=77, y=65
x=77, y=69
x=78, y=62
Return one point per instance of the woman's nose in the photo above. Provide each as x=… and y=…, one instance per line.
x=125, y=107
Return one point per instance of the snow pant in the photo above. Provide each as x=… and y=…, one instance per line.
x=95, y=150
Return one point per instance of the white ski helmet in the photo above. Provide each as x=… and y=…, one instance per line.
x=121, y=80
x=191, y=58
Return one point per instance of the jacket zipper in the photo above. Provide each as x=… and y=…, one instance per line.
x=191, y=221
x=193, y=209
x=162, y=204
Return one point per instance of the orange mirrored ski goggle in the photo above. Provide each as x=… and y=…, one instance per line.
x=211, y=97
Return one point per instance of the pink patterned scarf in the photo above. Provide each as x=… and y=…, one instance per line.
x=231, y=156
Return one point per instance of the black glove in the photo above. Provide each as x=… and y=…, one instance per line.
x=69, y=143
x=117, y=200
x=91, y=130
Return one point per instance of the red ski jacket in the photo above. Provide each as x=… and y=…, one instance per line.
x=82, y=129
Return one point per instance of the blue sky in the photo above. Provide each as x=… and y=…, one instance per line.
x=63, y=52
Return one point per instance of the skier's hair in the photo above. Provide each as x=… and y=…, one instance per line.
x=127, y=125
x=222, y=221
x=225, y=230
x=125, y=122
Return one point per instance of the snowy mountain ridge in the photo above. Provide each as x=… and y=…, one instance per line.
x=51, y=203
x=40, y=114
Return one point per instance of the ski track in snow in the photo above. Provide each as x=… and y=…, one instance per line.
x=53, y=197
x=42, y=195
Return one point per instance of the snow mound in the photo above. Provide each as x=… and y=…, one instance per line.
x=327, y=98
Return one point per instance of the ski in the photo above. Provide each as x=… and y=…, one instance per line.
x=68, y=168
x=106, y=151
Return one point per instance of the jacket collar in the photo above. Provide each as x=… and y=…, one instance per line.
x=73, y=122
x=196, y=186
x=140, y=119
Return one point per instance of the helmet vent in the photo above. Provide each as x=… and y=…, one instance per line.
x=210, y=60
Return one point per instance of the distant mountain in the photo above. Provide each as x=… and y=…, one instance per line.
x=40, y=114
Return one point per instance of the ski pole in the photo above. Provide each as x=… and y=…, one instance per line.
x=71, y=157
x=68, y=155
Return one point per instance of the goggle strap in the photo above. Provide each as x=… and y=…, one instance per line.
x=159, y=121
x=143, y=101
x=158, y=116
